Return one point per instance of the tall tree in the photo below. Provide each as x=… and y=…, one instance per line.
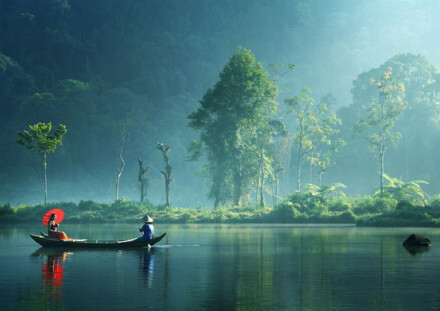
x=40, y=141
x=328, y=141
x=231, y=117
x=165, y=149
x=268, y=160
x=300, y=107
x=315, y=126
x=380, y=117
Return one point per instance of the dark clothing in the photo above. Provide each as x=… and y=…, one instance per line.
x=53, y=226
x=148, y=231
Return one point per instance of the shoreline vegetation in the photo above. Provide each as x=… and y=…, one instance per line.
x=298, y=208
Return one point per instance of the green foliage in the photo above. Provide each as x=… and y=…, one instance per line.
x=400, y=190
x=287, y=212
x=305, y=202
x=234, y=122
x=325, y=191
x=315, y=132
x=299, y=208
x=5, y=211
x=340, y=205
x=88, y=206
x=401, y=218
x=40, y=140
x=380, y=117
x=376, y=205
x=434, y=206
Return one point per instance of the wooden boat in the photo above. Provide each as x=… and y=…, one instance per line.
x=45, y=240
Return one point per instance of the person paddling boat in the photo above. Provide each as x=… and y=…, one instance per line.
x=147, y=229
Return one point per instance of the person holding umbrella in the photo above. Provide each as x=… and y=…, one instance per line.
x=50, y=220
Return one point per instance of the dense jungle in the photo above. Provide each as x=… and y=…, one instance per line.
x=221, y=111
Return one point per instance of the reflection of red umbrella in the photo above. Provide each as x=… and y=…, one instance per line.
x=56, y=211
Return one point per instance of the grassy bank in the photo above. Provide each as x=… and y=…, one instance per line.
x=297, y=208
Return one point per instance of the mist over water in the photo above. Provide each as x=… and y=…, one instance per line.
x=232, y=267
x=93, y=65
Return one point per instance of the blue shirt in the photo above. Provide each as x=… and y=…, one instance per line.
x=148, y=230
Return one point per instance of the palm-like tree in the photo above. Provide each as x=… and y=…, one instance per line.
x=325, y=191
x=400, y=190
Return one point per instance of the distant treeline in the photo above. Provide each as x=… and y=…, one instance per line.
x=305, y=208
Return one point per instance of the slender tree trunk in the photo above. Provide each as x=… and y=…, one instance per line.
x=216, y=194
x=125, y=137
x=273, y=187
x=262, y=203
x=257, y=190
x=300, y=151
x=165, y=149
x=167, y=191
x=237, y=188
x=261, y=179
x=217, y=182
x=382, y=144
x=118, y=176
x=142, y=178
x=45, y=178
x=382, y=169
x=142, y=191
x=298, y=172
x=298, y=177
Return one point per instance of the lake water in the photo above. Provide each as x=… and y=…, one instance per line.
x=223, y=267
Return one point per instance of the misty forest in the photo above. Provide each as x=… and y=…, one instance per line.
x=308, y=111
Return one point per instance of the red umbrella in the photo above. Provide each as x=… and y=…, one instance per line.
x=56, y=211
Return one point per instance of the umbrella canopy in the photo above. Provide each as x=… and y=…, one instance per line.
x=56, y=211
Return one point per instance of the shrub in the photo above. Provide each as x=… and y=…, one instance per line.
x=368, y=205
x=88, y=206
x=6, y=210
x=306, y=201
x=286, y=212
x=346, y=217
x=400, y=218
x=339, y=205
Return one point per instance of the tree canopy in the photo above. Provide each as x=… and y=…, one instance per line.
x=234, y=121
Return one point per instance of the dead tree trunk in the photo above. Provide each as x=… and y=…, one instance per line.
x=142, y=178
x=165, y=149
x=125, y=136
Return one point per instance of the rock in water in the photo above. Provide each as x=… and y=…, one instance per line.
x=417, y=240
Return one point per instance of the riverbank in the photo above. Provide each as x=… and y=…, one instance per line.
x=301, y=209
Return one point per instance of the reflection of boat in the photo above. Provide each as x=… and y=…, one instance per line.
x=44, y=240
x=417, y=249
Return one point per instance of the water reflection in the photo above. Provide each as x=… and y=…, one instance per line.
x=239, y=268
x=53, y=271
x=54, y=260
x=50, y=295
x=414, y=250
x=147, y=267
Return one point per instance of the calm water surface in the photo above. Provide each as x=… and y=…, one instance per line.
x=223, y=267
